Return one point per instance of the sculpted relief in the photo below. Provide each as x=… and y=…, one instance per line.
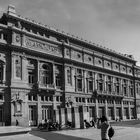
x=43, y=47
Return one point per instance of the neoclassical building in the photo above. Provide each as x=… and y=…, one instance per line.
x=44, y=69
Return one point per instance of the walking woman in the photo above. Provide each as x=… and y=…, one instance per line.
x=103, y=124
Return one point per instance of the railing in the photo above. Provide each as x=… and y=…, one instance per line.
x=113, y=93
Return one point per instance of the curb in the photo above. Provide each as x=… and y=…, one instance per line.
x=14, y=133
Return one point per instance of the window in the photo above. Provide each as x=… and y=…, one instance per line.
x=31, y=76
x=131, y=89
x=90, y=81
x=79, y=84
x=31, y=71
x=100, y=82
x=124, y=87
x=69, y=75
x=18, y=67
x=46, y=74
x=79, y=79
x=1, y=72
x=42, y=98
x=58, y=76
x=79, y=72
x=117, y=85
x=29, y=97
x=1, y=96
x=34, y=98
x=109, y=84
x=90, y=85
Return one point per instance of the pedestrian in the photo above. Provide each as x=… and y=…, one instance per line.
x=17, y=122
x=103, y=124
x=92, y=122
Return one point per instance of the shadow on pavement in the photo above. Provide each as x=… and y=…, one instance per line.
x=54, y=136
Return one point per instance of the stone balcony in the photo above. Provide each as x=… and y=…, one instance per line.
x=108, y=94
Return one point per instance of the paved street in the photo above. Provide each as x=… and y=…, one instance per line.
x=123, y=131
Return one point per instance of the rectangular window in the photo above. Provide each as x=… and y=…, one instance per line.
x=79, y=84
x=18, y=67
x=31, y=77
x=109, y=88
x=100, y=86
x=79, y=72
x=117, y=89
x=124, y=90
x=58, y=81
x=90, y=86
x=29, y=97
x=1, y=72
x=42, y=98
x=34, y=98
x=69, y=76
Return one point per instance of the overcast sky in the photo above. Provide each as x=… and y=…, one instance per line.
x=114, y=24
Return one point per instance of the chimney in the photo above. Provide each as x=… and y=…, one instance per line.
x=11, y=10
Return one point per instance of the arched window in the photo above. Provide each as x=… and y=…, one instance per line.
x=45, y=74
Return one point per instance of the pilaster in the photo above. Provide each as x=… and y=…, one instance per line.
x=122, y=110
x=84, y=81
x=4, y=73
x=114, y=107
x=96, y=108
x=24, y=70
x=54, y=81
x=95, y=81
x=54, y=103
x=129, y=110
x=106, y=108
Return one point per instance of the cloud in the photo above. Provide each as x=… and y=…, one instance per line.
x=118, y=12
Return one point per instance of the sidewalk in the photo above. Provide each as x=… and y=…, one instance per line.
x=13, y=130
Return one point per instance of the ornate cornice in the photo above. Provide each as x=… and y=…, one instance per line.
x=67, y=35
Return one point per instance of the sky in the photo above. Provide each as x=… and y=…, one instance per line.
x=114, y=24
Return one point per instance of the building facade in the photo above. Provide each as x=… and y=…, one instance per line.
x=43, y=69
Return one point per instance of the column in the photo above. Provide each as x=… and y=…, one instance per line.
x=76, y=117
x=105, y=83
x=106, y=108
x=86, y=102
x=122, y=110
x=54, y=75
x=38, y=71
x=114, y=107
x=54, y=103
x=96, y=108
x=72, y=77
x=84, y=81
x=121, y=91
x=39, y=109
x=113, y=86
x=23, y=40
x=4, y=73
x=2, y=36
x=129, y=110
x=13, y=37
x=65, y=72
x=127, y=88
x=13, y=66
x=95, y=81
x=24, y=70
x=75, y=78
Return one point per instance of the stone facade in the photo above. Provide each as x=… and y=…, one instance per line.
x=43, y=70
